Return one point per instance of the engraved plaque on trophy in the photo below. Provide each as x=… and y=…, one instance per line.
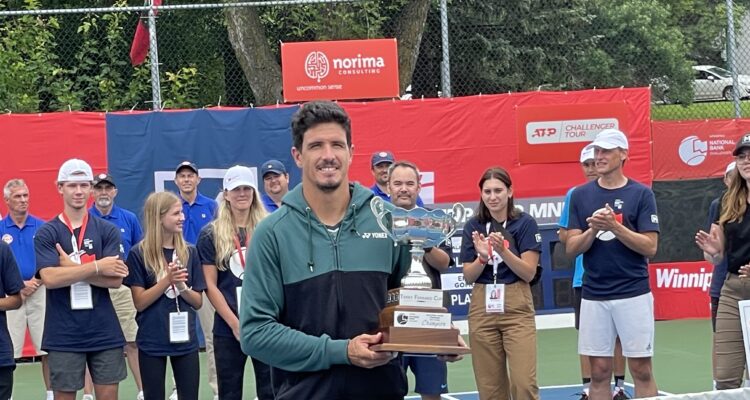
x=414, y=319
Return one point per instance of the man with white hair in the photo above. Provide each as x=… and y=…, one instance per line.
x=78, y=259
x=614, y=224
x=17, y=229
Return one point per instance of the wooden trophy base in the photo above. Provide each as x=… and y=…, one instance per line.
x=421, y=341
x=437, y=338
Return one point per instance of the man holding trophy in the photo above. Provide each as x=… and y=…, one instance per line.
x=431, y=374
x=318, y=272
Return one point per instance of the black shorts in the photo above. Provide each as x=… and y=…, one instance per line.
x=577, y=291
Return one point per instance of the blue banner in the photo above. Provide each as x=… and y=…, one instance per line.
x=144, y=149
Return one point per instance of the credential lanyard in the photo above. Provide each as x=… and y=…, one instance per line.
x=176, y=261
x=76, y=243
x=239, y=248
x=491, y=253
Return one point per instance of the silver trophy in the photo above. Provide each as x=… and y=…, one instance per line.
x=420, y=228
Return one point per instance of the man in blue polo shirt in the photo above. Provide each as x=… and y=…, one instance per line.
x=199, y=210
x=11, y=285
x=275, y=184
x=380, y=162
x=104, y=207
x=614, y=224
x=18, y=229
x=79, y=258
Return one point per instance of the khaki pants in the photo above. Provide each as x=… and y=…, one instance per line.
x=504, y=345
x=31, y=314
x=206, y=316
x=728, y=342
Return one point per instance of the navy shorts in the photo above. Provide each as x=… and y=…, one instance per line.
x=431, y=374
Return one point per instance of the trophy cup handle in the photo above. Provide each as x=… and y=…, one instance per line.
x=459, y=211
x=377, y=205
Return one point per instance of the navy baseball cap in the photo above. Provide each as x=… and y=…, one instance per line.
x=186, y=164
x=274, y=166
x=381, y=157
x=744, y=142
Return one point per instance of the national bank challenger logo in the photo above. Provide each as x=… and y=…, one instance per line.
x=693, y=151
x=318, y=66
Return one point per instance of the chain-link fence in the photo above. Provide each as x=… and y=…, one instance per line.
x=227, y=54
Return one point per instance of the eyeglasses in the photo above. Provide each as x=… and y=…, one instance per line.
x=742, y=158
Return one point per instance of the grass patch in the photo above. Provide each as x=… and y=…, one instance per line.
x=703, y=110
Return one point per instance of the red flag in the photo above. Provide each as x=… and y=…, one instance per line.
x=139, y=48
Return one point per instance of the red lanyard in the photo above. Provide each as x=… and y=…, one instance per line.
x=76, y=245
x=239, y=248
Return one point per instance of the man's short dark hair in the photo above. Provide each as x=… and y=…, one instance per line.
x=319, y=112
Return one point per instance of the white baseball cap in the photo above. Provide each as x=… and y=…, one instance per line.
x=75, y=170
x=610, y=139
x=239, y=176
x=730, y=167
x=587, y=153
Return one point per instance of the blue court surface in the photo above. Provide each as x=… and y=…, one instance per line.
x=565, y=392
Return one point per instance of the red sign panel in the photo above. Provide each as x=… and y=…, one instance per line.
x=695, y=149
x=348, y=69
x=681, y=289
x=556, y=133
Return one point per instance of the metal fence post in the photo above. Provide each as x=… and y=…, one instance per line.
x=730, y=59
x=445, y=64
x=154, y=58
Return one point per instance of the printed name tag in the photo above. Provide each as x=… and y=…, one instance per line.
x=494, y=298
x=80, y=296
x=239, y=298
x=178, y=327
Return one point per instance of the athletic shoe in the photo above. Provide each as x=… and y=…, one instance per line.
x=87, y=397
x=619, y=394
x=584, y=395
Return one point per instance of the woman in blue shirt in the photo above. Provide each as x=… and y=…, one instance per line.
x=500, y=252
x=166, y=280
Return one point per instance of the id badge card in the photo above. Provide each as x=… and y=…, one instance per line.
x=80, y=296
x=239, y=298
x=178, y=327
x=494, y=298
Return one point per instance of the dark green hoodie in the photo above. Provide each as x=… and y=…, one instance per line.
x=306, y=292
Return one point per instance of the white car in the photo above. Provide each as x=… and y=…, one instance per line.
x=714, y=83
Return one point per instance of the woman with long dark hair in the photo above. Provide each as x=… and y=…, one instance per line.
x=729, y=238
x=222, y=246
x=500, y=252
x=166, y=281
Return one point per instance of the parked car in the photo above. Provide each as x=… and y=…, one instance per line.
x=714, y=83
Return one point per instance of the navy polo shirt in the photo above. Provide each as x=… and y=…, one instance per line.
x=613, y=270
x=383, y=195
x=268, y=203
x=71, y=330
x=126, y=222
x=227, y=281
x=21, y=241
x=153, y=322
x=10, y=284
x=526, y=237
x=197, y=215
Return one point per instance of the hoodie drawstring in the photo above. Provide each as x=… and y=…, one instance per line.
x=310, y=262
x=354, y=220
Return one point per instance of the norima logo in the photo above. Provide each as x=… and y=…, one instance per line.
x=672, y=278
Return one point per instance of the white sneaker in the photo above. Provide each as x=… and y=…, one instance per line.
x=140, y=396
x=87, y=397
x=173, y=396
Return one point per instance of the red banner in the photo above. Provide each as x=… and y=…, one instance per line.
x=454, y=140
x=38, y=144
x=681, y=289
x=556, y=133
x=349, y=69
x=695, y=149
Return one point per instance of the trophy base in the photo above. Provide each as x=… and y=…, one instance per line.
x=414, y=340
x=421, y=349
